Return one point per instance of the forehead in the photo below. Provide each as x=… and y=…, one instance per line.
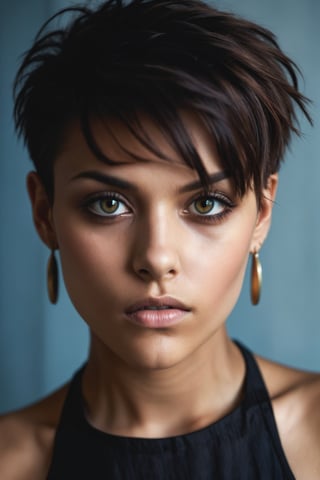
x=141, y=140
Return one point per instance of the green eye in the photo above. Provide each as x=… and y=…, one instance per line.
x=210, y=206
x=107, y=206
x=204, y=205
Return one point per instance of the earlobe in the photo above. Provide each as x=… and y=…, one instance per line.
x=265, y=213
x=41, y=210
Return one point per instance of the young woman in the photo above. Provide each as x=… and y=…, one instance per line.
x=157, y=129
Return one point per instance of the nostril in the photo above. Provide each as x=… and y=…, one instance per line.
x=172, y=271
x=155, y=265
x=146, y=273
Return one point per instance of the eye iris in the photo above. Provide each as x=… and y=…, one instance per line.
x=204, y=205
x=109, y=205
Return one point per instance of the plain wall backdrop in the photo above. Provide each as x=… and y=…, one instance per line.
x=41, y=345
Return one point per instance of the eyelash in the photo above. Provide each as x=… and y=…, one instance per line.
x=226, y=203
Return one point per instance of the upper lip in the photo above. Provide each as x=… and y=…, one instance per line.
x=157, y=302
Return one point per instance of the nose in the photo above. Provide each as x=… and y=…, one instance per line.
x=155, y=253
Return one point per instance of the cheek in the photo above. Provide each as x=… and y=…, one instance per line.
x=91, y=259
x=233, y=269
x=225, y=253
x=220, y=269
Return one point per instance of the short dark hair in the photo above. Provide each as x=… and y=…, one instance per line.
x=160, y=57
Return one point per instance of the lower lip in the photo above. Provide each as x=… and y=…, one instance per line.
x=157, y=318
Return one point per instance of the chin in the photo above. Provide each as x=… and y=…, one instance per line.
x=158, y=354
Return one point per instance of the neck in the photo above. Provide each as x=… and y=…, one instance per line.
x=158, y=403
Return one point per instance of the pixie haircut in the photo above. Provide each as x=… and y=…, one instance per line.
x=160, y=58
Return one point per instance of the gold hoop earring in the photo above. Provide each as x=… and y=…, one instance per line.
x=52, y=278
x=256, y=278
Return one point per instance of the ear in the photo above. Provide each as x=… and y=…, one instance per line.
x=265, y=213
x=41, y=210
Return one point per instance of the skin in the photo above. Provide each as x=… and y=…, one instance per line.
x=143, y=381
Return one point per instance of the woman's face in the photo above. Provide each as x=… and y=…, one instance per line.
x=152, y=263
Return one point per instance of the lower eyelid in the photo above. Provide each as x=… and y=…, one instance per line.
x=212, y=219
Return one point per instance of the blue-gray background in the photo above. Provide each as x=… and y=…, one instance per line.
x=41, y=345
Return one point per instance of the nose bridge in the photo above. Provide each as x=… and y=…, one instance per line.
x=156, y=243
x=158, y=226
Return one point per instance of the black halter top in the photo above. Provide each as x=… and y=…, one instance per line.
x=243, y=445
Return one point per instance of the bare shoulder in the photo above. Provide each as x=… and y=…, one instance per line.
x=295, y=396
x=26, y=438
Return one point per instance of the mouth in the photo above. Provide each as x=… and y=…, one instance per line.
x=163, y=307
x=160, y=312
x=158, y=303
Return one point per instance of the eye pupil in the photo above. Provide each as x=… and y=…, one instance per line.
x=204, y=205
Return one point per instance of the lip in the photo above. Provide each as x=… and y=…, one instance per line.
x=139, y=314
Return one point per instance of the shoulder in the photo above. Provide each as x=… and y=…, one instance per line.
x=26, y=438
x=295, y=397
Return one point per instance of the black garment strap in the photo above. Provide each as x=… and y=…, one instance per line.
x=243, y=445
x=259, y=396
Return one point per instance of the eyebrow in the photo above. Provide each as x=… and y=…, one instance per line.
x=106, y=179
x=213, y=178
x=124, y=184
